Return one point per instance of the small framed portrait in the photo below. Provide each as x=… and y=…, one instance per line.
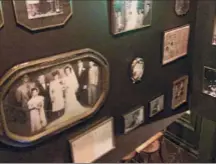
x=156, y=106
x=175, y=44
x=182, y=7
x=209, y=81
x=1, y=15
x=179, y=93
x=41, y=14
x=47, y=95
x=214, y=33
x=130, y=15
x=137, y=70
x=133, y=119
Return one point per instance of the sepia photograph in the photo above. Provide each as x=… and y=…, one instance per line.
x=130, y=15
x=179, y=94
x=182, y=7
x=1, y=15
x=137, y=70
x=156, y=106
x=42, y=14
x=175, y=43
x=53, y=96
x=214, y=33
x=209, y=81
x=133, y=119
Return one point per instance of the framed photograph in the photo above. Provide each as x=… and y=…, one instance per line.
x=214, y=33
x=156, y=106
x=1, y=15
x=209, y=81
x=130, y=15
x=93, y=143
x=41, y=14
x=182, y=7
x=179, y=94
x=175, y=43
x=133, y=119
x=47, y=95
x=137, y=70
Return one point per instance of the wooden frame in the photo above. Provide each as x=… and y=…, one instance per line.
x=1, y=15
x=13, y=89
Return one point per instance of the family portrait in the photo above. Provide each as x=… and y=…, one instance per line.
x=182, y=7
x=180, y=89
x=1, y=15
x=156, y=105
x=130, y=15
x=175, y=43
x=209, y=81
x=43, y=8
x=133, y=119
x=43, y=99
x=137, y=69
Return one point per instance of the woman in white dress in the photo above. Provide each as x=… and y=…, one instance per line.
x=37, y=114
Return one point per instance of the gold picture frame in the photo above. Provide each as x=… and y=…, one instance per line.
x=1, y=15
x=15, y=109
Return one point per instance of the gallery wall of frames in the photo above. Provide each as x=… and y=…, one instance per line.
x=74, y=72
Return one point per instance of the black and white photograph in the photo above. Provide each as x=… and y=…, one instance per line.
x=41, y=14
x=156, y=106
x=209, y=81
x=137, y=70
x=43, y=99
x=133, y=119
x=182, y=7
x=180, y=89
x=130, y=15
x=1, y=15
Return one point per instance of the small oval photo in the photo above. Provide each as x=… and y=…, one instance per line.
x=182, y=7
x=137, y=70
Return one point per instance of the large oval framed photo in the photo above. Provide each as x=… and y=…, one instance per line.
x=1, y=15
x=41, y=14
x=43, y=97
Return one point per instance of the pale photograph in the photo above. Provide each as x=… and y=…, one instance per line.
x=182, y=7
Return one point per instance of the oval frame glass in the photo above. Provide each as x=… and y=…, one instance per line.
x=182, y=7
x=137, y=69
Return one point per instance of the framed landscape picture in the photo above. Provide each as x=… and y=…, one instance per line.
x=40, y=98
x=41, y=14
x=182, y=7
x=127, y=15
x=137, y=70
x=179, y=92
x=1, y=15
x=175, y=43
x=209, y=81
x=156, y=106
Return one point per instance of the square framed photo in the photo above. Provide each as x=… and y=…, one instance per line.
x=179, y=93
x=209, y=81
x=175, y=43
x=133, y=119
x=94, y=143
x=1, y=15
x=130, y=15
x=156, y=106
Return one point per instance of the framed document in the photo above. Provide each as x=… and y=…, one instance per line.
x=94, y=143
x=175, y=43
x=1, y=15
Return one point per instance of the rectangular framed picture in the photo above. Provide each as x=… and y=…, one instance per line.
x=214, y=33
x=130, y=15
x=133, y=119
x=1, y=15
x=180, y=89
x=175, y=43
x=209, y=81
x=94, y=143
x=156, y=106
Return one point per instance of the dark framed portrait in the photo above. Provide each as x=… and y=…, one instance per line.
x=137, y=70
x=133, y=119
x=182, y=7
x=156, y=106
x=43, y=97
x=42, y=14
x=130, y=15
x=1, y=15
x=209, y=81
x=179, y=91
x=175, y=44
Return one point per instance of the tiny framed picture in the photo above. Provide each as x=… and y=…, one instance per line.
x=130, y=15
x=175, y=43
x=133, y=119
x=179, y=93
x=1, y=15
x=209, y=81
x=42, y=14
x=214, y=33
x=156, y=106
x=137, y=70
x=182, y=7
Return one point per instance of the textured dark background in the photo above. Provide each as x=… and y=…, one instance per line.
x=89, y=28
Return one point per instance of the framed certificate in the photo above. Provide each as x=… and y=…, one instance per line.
x=94, y=143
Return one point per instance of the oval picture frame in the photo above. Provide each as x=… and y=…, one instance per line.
x=182, y=7
x=137, y=69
